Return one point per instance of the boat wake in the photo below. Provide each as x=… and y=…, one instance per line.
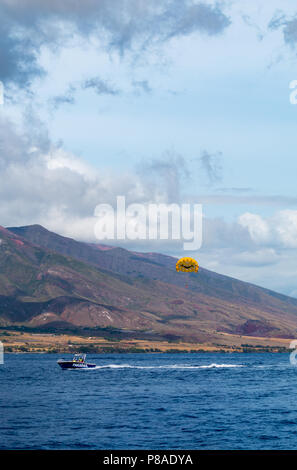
x=168, y=367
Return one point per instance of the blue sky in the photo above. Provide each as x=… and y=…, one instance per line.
x=99, y=96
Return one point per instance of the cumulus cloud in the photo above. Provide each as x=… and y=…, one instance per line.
x=257, y=227
x=278, y=230
x=28, y=25
x=39, y=179
x=42, y=183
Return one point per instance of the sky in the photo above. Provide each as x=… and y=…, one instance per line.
x=178, y=101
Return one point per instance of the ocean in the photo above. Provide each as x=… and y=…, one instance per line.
x=149, y=401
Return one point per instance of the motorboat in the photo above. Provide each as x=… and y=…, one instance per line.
x=78, y=362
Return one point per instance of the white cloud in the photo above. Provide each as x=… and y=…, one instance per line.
x=42, y=183
x=284, y=224
x=257, y=227
x=277, y=230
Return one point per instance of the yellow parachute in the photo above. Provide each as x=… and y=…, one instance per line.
x=187, y=265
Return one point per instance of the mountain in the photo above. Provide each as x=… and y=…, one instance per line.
x=50, y=280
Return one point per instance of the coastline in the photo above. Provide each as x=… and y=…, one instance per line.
x=28, y=342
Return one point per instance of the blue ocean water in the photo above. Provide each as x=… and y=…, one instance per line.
x=149, y=401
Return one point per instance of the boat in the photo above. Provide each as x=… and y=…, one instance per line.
x=78, y=362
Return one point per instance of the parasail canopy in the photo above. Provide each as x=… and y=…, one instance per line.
x=187, y=265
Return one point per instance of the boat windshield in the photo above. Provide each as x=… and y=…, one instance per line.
x=79, y=357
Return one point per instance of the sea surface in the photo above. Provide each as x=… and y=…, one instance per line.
x=149, y=401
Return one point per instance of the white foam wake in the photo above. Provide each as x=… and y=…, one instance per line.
x=168, y=366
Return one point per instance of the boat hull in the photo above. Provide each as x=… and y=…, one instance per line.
x=75, y=365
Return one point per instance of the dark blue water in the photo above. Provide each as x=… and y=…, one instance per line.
x=149, y=401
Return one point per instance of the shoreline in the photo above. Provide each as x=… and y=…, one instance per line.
x=25, y=342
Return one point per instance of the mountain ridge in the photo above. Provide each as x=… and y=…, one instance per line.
x=47, y=278
x=38, y=234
